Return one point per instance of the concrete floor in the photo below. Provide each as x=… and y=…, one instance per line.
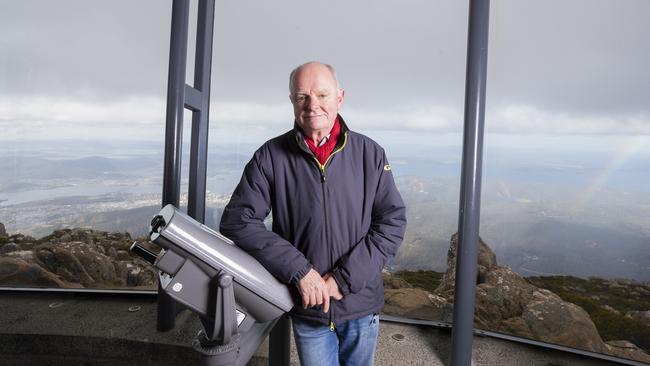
x=64, y=329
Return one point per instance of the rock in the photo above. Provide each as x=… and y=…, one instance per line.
x=15, y=272
x=123, y=255
x=121, y=272
x=626, y=349
x=20, y=238
x=65, y=238
x=622, y=344
x=140, y=276
x=611, y=309
x=3, y=234
x=417, y=303
x=643, y=316
x=9, y=247
x=112, y=252
x=508, y=303
x=554, y=320
x=503, y=295
x=392, y=282
x=80, y=258
x=60, y=256
x=486, y=261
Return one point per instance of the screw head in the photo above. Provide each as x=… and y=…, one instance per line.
x=177, y=287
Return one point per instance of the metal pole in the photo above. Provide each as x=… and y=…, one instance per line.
x=167, y=309
x=175, y=103
x=200, y=117
x=279, y=343
x=470, y=185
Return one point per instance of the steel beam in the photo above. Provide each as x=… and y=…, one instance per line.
x=175, y=103
x=470, y=184
x=197, y=99
x=200, y=116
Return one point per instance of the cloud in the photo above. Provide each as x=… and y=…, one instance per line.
x=54, y=116
x=251, y=113
x=526, y=119
x=438, y=118
x=45, y=109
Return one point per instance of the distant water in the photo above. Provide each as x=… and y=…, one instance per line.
x=89, y=188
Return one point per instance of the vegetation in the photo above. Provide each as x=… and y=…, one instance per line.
x=607, y=302
x=427, y=280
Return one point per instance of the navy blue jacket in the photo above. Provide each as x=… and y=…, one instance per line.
x=345, y=217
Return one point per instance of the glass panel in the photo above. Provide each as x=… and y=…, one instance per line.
x=565, y=200
x=82, y=92
x=402, y=68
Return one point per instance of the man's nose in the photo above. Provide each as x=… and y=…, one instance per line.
x=313, y=103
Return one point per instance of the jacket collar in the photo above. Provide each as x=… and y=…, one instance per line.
x=300, y=135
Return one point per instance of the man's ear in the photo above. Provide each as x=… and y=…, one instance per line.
x=340, y=97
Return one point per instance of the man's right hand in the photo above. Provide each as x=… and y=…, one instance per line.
x=314, y=291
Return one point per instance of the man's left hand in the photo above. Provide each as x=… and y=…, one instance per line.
x=332, y=286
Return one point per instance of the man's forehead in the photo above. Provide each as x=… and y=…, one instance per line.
x=300, y=90
x=314, y=82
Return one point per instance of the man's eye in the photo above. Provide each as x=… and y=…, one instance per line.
x=322, y=96
x=300, y=99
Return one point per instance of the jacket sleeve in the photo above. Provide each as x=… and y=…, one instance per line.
x=367, y=258
x=243, y=222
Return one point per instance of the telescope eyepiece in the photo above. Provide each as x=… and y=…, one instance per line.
x=143, y=252
x=157, y=223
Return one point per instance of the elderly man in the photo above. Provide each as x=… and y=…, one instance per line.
x=337, y=220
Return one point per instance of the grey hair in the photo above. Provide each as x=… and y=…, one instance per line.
x=292, y=76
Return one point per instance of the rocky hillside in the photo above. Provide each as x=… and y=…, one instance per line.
x=73, y=258
x=619, y=308
x=508, y=303
x=559, y=310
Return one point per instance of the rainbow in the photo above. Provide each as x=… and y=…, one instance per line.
x=631, y=148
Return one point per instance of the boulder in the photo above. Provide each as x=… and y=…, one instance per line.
x=9, y=247
x=417, y=303
x=643, y=316
x=56, y=257
x=392, y=282
x=503, y=295
x=626, y=349
x=3, y=234
x=551, y=319
x=20, y=238
x=15, y=272
x=79, y=258
x=486, y=261
x=507, y=302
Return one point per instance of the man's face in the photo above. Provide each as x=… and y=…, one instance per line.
x=316, y=99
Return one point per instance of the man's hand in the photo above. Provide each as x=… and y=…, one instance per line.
x=332, y=286
x=314, y=291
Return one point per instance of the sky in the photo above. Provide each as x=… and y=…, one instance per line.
x=81, y=69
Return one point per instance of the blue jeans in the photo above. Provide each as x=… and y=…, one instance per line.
x=352, y=343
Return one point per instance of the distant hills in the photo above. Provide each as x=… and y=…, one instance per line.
x=536, y=230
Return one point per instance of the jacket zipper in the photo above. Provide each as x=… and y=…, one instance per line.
x=321, y=168
x=331, y=311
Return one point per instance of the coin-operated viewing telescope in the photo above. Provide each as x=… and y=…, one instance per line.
x=236, y=298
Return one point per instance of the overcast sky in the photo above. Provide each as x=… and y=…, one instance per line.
x=555, y=66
